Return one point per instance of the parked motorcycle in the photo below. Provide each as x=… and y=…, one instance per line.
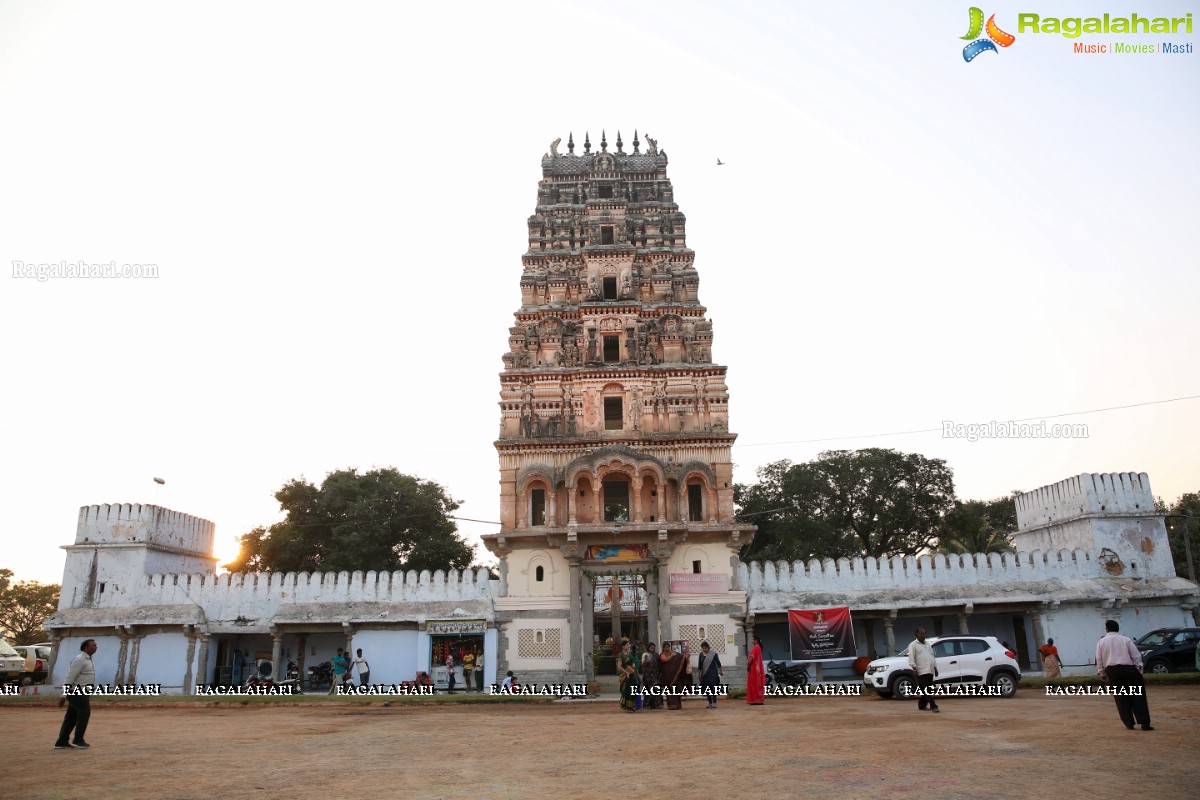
x=320, y=676
x=784, y=674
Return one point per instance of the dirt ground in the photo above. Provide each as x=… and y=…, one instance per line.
x=811, y=747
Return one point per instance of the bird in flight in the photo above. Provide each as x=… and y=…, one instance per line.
x=720, y=163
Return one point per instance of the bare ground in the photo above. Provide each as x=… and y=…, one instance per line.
x=812, y=747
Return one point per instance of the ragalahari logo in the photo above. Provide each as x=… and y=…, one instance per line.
x=994, y=34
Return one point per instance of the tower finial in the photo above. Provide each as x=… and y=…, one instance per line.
x=587, y=143
x=619, y=145
x=636, y=145
x=603, y=141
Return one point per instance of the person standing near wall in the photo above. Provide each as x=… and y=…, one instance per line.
x=1120, y=664
x=468, y=669
x=341, y=665
x=363, y=668
x=924, y=666
x=1050, y=659
x=79, y=706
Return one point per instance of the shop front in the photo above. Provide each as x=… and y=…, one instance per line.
x=456, y=644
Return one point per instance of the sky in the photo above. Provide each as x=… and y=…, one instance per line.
x=334, y=200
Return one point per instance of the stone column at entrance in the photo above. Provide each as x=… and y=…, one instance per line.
x=276, y=653
x=664, y=596
x=652, y=608
x=190, y=632
x=134, y=653
x=589, y=623
x=202, y=662
x=967, y=611
x=889, y=631
x=577, y=643
x=122, y=651
x=614, y=607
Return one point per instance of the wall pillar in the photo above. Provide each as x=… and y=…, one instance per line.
x=190, y=632
x=664, y=594
x=963, y=616
x=652, y=592
x=889, y=630
x=276, y=653
x=135, y=651
x=576, y=601
x=202, y=662
x=122, y=652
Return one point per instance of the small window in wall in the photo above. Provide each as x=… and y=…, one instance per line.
x=614, y=417
x=605, y=192
x=695, y=512
x=612, y=349
x=695, y=568
x=610, y=288
x=540, y=574
x=102, y=588
x=606, y=234
x=537, y=511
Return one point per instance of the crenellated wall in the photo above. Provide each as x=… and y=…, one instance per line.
x=915, y=572
x=135, y=523
x=260, y=594
x=1108, y=493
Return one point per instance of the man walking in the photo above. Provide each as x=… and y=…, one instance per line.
x=79, y=706
x=921, y=660
x=364, y=669
x=341, y=666
x=1120, y=664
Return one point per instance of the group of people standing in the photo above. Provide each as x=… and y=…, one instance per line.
x=343, y=668
x=472, y=665
x=668, y=670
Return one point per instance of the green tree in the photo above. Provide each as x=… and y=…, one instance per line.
x=1184, y=520
x=379, y=520
x=979, y=526
x=873, y=502
x=24, y=607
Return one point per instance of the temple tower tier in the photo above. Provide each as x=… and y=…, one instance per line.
x=616, y=478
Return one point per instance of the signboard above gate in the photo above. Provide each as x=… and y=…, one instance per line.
x=698, y=583
x=621, y=552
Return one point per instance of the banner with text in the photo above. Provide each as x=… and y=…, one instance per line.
x=821, y=634
x=699, y=583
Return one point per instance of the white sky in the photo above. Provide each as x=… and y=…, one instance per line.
x=336, y=195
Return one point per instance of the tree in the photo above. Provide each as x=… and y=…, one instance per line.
x=979, y=526
x=24, y=606
x=1184, y=520
x=872, y=502
x=380, y=520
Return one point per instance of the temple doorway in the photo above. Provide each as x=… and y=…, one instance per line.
x=626, y=617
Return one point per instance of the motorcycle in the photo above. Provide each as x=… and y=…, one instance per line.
x=784, y=674
x=320, y=676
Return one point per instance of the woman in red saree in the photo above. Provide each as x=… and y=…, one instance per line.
x=756, y=677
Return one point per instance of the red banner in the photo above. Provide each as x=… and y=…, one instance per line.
x=821, y=634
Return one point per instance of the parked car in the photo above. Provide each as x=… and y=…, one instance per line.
x=963, y=660
x=37, y=662
x=1169, y=650
x=12, y=664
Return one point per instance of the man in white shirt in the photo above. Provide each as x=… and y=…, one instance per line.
x=79, y=706
x=920, y=659
x=1119, y=662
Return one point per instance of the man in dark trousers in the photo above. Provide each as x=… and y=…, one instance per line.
x=1120, y=664
x=81, y=673
x=924, y=666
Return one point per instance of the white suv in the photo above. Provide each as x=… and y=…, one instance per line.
x=961, y=660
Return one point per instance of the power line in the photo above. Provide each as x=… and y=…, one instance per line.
x=936, y=430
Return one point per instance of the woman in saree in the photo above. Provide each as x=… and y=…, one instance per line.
x=627, y=669
x=673, y=671
x=649, y=672
x=756, y=677
x=1050, y=659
